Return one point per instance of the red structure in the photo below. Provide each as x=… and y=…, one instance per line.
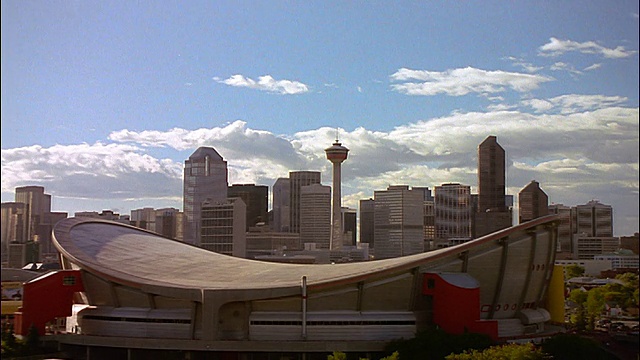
x=45, y=298
x=456, y=304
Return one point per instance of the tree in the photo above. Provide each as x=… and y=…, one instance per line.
x=573, y=270
x=570, y=347
x=506, y=352
x=579, y=318
x=595, y=305
x=436, y=344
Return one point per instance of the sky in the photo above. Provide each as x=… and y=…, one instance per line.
x=103, y=101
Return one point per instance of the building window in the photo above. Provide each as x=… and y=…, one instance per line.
x=69, y=280
x=431, y=283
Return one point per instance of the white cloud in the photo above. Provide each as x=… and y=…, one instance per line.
x=266, y=83
x=573, y=103
x=575, y=156
x=593, y=67
x=458, y=82
x=526, y=66
x=557, y=47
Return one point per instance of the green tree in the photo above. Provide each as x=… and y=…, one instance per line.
x=436, y=344
x=579, y=318
x=595, y=305
x=32, y=341
x=573, y=270
x=503, y=352
x=337, y=355
x=574, y=347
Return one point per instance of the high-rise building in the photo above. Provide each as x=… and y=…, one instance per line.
x=565, y=228
x=367, y=210
x=336, y=154
x=256, y=198
x=13, y=226
x=453, y=213
x=298, y=179
x=350, y=226
x=429, y=223
x=491, y=176
x=398, y=222
x=533, y=202
x=205, y=178
x=167, y=222
x=38, y=223
x=280, y=203
x=223, y=227
x=38, y=203
x=315, y=215
x=593, y=219
x=492, y=214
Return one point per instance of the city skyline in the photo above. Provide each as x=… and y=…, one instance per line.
x=103, y=103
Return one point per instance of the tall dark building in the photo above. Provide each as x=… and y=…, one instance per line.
x=532, y=202
x=281, y=204
x=491, y=176
x=492, y=212
x=298, y=179
x=367, y=211
x=205, y=179
x=256, y=198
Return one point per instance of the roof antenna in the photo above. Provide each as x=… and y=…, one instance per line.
x=337, y=135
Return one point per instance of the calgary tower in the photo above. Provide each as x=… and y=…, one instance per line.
x=336, y=154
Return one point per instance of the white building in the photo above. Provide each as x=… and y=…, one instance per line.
x=398, y=222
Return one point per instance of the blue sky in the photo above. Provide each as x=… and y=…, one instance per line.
x=103, y=101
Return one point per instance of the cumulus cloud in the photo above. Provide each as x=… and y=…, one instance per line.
x=573, y=103
x=575, y=156
x=266, y=83
x=557, y=47
x=462, y=81
x=526, y=66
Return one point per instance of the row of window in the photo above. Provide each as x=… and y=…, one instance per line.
x=136, y=320
x=334, y=323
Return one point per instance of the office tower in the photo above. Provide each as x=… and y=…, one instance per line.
x=205, y=178
x=38, y=203
x=593, y=219
x=223, y=226
x=144, y=218
x=256, y=198
x=492, y=213
x=298, y=179
x=336, y=154
x=491, y=176
x=453, y=213
x=169, y=223
x=429, y=223
x=350, y=225
x=565, y=228
x=315, y=215
x=280, y=203
x=398, y=222
x=367, y=208
x=13, y=226
x=533, y=202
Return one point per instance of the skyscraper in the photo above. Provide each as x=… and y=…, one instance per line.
x=367, y=211
x=256, y=198
x=298, y=179
x=492, y=213
x=398, y=222
x=532, y=202
x=223, y=227
x=205, y=178
x=453, y=212
x=491, y=176
x=315, y=215
x=336, y=154
x=281, y=200
x=593, y=219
